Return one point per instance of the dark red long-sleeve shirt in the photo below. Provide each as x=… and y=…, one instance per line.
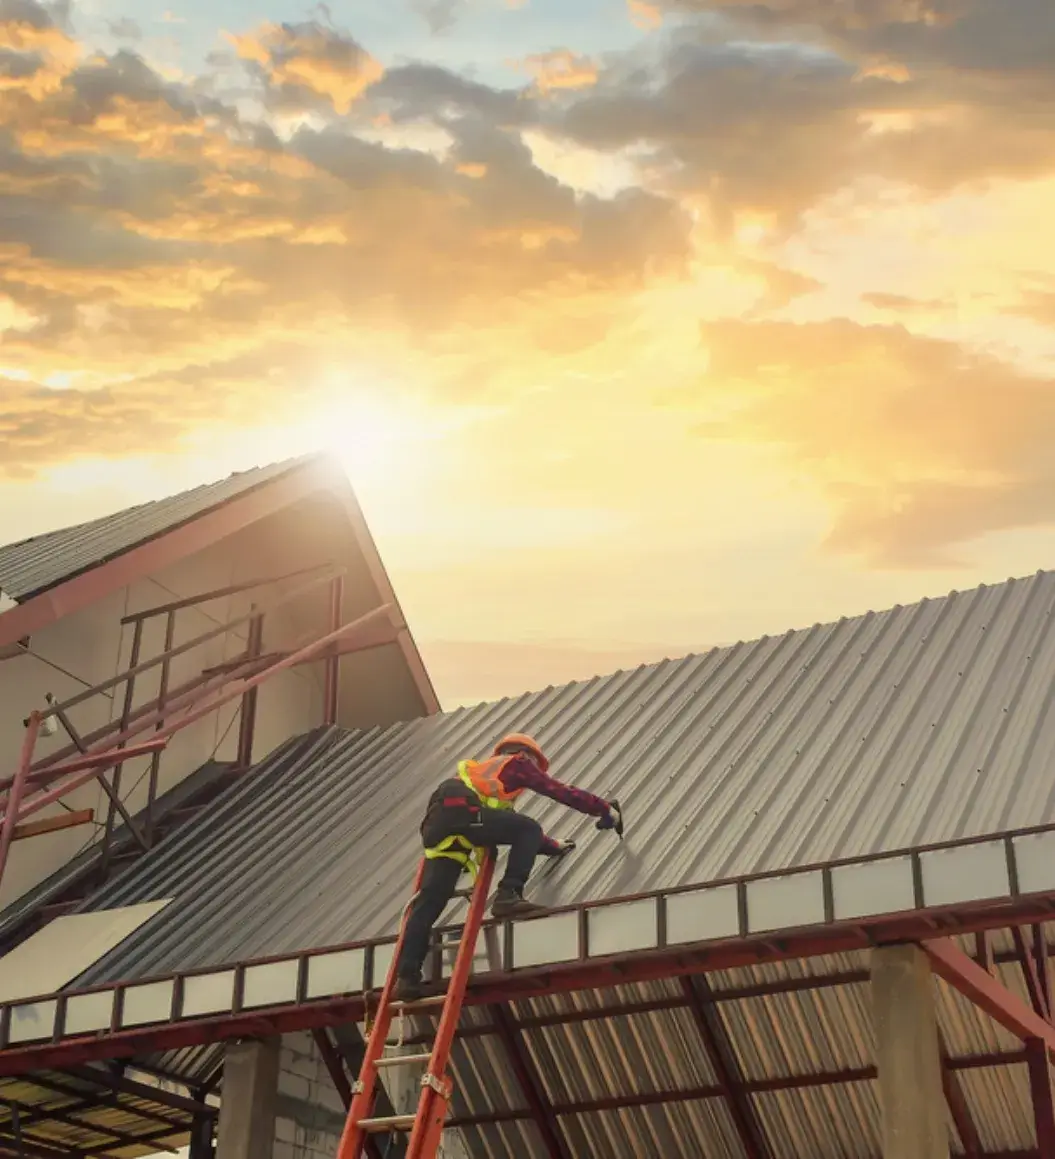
x=523, y=773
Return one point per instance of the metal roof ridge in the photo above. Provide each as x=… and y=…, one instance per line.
x=290, y=464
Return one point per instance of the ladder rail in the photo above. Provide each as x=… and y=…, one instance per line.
x=436, y=1085
x=353, y=1138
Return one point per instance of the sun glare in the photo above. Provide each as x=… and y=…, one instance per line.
x=376, y=438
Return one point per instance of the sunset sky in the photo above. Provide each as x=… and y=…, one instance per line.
x=640, y=326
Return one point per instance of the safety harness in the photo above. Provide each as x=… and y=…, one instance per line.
x=456, y=847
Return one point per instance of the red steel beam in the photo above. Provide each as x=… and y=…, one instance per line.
x=723, y=1060
x=1040, y=1090
x=190, y=692
x=983, y=950
x=964, y=974
x=137, y=1090
x=1040, y=953
x=960, y=1111
x=107, y=1098
x=334, y=1064
x=530, y=1083
x=100, y=758
x=170, y=547
x=163, y=692
x=488, y=990
x=82, y=770
x=1028, y=963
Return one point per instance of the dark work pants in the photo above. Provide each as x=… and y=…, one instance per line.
x=440, y=879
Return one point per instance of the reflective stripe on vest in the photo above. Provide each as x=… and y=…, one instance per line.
x=460, y=849
x=483, y=778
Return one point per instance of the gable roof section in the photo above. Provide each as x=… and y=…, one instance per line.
x=35, y=565
x=57, y=574
x=920, y=724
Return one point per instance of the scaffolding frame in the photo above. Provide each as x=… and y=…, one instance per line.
x=36, y=784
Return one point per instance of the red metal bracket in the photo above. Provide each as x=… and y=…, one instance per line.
x=964, y=974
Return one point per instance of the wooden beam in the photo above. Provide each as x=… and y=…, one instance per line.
x=53, y=824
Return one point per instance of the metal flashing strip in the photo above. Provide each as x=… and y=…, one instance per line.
x=977, y=883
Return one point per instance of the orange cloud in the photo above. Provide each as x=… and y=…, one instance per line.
x=559, y=69
x=645, y=14
x=919, y=444
x=305, y=62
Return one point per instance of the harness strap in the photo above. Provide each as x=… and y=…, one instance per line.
x=459, y=849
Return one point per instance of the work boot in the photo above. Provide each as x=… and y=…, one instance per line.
x=406, y=989
x=510, y=903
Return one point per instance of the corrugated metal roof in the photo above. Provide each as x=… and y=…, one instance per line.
x=916, y=725
x=33, y=565
x=920, y=724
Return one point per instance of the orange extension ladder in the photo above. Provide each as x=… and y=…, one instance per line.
x=426, y=1125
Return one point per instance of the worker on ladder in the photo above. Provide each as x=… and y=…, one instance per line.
x=474, y=812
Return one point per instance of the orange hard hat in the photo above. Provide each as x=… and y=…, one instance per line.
x=517, y=740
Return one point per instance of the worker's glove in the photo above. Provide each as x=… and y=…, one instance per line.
x=613, y=819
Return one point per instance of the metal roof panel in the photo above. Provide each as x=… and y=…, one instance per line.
x=33, y=565
x=784, y=752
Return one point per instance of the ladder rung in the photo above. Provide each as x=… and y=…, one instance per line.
x=402, y=1059
x=391, y=1123
x=418, y=1003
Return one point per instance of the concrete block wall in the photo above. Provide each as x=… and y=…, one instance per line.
x=309, y=1114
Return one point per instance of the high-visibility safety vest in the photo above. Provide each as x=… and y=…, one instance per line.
x=483, y=777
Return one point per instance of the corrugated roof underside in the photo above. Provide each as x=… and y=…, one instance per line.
x=34, y=565
x=919, y=724
x=655, y=1064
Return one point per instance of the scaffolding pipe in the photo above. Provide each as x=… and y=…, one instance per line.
x=247, y=721
x=51, y=767
x=219, y=593
x=136, y=670
x=163, y=691
x=95, y=763
x=7, y=829
x=126, y=716
x=192, y=714
x=332, y=687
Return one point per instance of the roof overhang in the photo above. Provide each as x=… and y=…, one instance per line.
x=966, y=886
